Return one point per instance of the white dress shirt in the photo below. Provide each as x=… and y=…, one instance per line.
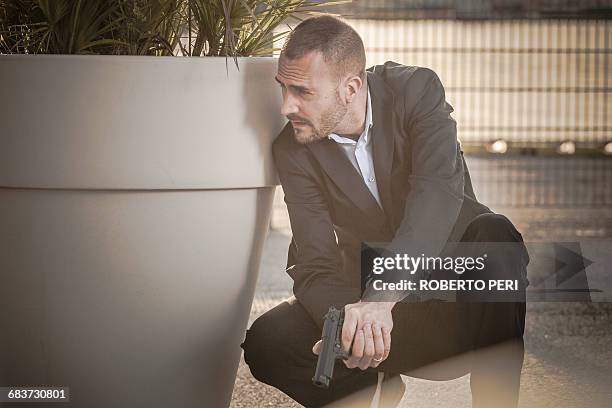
x=360, y=152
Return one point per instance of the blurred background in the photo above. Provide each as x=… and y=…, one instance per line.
x=530, y=85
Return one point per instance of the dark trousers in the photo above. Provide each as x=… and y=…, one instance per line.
x=433, y=340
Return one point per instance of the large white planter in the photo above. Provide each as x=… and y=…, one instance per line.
x=135, y=195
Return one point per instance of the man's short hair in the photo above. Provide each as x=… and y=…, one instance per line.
x=337, y=41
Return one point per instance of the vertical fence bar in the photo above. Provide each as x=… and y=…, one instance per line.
x=549, y=99
x=530, y=96
x=585, y=193
x=595, y=118
x=606, y=136
x=541, y=108
x=569, y=120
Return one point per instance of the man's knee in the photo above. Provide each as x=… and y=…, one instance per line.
x=259, y=345
x=278, y=339
x=492, y=228
x=507, y=256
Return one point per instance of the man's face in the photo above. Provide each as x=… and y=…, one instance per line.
x=311, y=96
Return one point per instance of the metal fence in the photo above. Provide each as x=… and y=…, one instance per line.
x=529, y=82
x=475, y=9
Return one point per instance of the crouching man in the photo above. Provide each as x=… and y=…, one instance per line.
x=372, y=155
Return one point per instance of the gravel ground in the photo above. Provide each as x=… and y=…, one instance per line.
x=568, y=359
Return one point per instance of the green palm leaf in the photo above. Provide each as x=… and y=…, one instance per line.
x=148, y=27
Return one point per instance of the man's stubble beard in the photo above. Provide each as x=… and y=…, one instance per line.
x=329, y=122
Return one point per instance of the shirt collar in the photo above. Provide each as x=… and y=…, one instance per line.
x=365, y=135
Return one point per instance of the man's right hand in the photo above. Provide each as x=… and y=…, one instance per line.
x=366, y=334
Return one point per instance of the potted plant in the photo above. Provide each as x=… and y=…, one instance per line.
x=135, y=193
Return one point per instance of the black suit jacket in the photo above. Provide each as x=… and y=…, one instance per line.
x=422, y=179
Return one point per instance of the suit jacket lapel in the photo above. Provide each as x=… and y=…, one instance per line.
x=383, y=141
x=341, y=171
x=338, y=167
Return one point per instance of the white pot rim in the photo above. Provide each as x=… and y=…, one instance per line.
x=128, y=122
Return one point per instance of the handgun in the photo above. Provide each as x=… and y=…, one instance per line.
x=331, y=347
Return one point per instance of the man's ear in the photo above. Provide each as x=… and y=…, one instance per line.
x=352, y=85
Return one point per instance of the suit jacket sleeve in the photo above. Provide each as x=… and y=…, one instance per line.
x=316, y=267
x=435, y=192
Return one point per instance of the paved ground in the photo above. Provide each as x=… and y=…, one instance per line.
x=568, y=355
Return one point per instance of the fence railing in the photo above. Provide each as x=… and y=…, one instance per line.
x=530, y=83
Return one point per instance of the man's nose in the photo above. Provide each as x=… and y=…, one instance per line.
x=289, y=106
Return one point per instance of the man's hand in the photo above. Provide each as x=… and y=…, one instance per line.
x=367, y=327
